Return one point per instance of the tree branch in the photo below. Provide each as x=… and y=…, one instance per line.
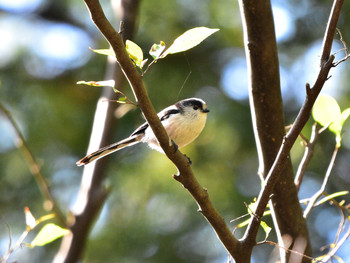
x=330, y=30
x=185, y=174
x=299, y=123
x=268, y=124
x=309, y=152
x=317, y=195
x=49, y=203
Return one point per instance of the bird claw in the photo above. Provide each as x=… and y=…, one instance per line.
x=176, y=147
x=189, y=160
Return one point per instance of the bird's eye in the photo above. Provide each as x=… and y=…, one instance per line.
x=195, y=107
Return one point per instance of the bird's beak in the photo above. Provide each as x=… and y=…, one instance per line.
x=205, y=110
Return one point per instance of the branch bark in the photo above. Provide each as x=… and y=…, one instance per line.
x=185, y=174
x=268, y=120
x=278, y=168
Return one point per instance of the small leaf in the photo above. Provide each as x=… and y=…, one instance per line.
x=135, y=52
x=106, y=52
x=157, y=49
x=104, y=83
x=345, y=115
x=122, y=100
x=30, y=219
x=266, y=228
x=189, y=39
x=47, y=234
x=326, y=111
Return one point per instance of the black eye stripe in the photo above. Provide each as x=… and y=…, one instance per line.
x=193, y=103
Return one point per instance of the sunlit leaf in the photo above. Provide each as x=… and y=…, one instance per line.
x=246, y=222
x=189, y=39
x=106, y=52
x=326, y=112
x=122, y=100
x=345, y=115
x=318, y=259
x=30, y=219
x=104, y=83
x=135, y=52
x=157, y=49
x=47, y=234
x=266, y=228
x=251, y=210
x=329, y=197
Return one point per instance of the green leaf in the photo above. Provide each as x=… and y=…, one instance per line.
x=135, y=52
x=189, y=39
x=345, y=115
x=246, y=222
x=157, y=49
x=47, y=234
x=106, y=52
x=251, y=210
x=122, y=100
x=266, y=228
x=329, y=197
x=326, y=110
x=104, y=83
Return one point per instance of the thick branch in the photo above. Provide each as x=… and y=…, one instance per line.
x=302, y=118
x=268, y=121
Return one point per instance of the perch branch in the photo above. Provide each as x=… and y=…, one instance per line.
x=185, y=174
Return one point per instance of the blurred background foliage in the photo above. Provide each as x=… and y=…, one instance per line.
x=44, y=51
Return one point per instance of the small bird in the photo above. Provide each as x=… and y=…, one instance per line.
x=183, y=121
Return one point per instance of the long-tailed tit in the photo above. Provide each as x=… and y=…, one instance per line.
x=183, y=121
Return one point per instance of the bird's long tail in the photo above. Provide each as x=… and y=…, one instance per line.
x=109, y=149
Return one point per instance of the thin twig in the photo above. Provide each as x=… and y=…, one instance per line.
x=334, y=250
x=330, y=31
x=347, y=55
x=341, y=225
x=323, y=187
x=309, y=152
x=16, y=246
x=34, y=168
x=289, y=250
